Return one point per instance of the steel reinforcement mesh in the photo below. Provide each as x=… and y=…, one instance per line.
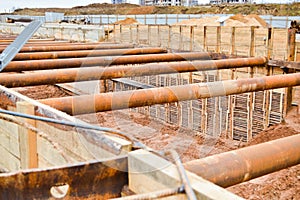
x=212, y=116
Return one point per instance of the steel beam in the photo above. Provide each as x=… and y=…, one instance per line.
x=102, y=179
x=11, y=50
x=87, y=53
x=147, y=97
x=34, y=48
x=233, y=167
x=96, y=73
x=17, y=66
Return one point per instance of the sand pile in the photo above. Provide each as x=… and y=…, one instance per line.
x=207, y=21
x=127, y=21
x=248, y=20
x=236, y=20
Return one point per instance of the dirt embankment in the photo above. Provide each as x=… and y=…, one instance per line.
x=236, y=20
x=131, y=9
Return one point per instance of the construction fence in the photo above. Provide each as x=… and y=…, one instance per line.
x=148, y=19
x=170, y=19
x=239, y=41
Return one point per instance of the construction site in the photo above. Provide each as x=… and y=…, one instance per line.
x=201, y=109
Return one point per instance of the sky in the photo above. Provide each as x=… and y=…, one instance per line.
x=6, y=5
x=9, y=4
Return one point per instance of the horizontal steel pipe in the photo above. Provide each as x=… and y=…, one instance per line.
x=11, y=39
x=16, y=66
x=97, y=73
x=58, y=42
x=72, y=47
x=233, y=167
x=2, y=45
x=147, y=97
x=87, y=53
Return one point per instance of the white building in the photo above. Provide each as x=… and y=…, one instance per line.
x=229, y=1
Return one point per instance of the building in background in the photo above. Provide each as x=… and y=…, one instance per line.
x=118, y=1
x=229, y=1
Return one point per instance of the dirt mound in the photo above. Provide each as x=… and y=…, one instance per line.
x=143, y=10
x=260, y=20
x=43, y=92
x=236, y=20
x=274, y=132
x=127, y=21
x=239, y=17
x=248, y=20
x=207, y=21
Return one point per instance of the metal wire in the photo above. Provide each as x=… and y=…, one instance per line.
x=40, y=133
x=183, y=176
x=136, y=143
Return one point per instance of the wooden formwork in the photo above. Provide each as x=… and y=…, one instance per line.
x=239, y=41
x=45, y=145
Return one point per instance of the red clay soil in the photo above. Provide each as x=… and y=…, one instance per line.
x=284, y=184
x=5, y=102
x=43, y=92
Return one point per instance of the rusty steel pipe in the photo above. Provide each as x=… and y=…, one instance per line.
x=237, y=166
x=72, y=47
x=11, y=39
x=16, y=66
x=97, y=73
x=87, y=53
x=56, y=43
x=147, y=97
x=3, y=45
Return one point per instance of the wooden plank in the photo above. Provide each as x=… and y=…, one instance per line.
x=27, y=138
x=252, y=42
x=191, y=38
x=270, y=43
x=250, y=107
x=75, y=145
x=51, y=154
x=205, y=38
x=149, y=172
x=233, y=41
x=9, y=161
x=10, y=128
x=218, y=45
x=10, y=143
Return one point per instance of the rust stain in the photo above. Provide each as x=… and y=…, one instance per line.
x=101, y=180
